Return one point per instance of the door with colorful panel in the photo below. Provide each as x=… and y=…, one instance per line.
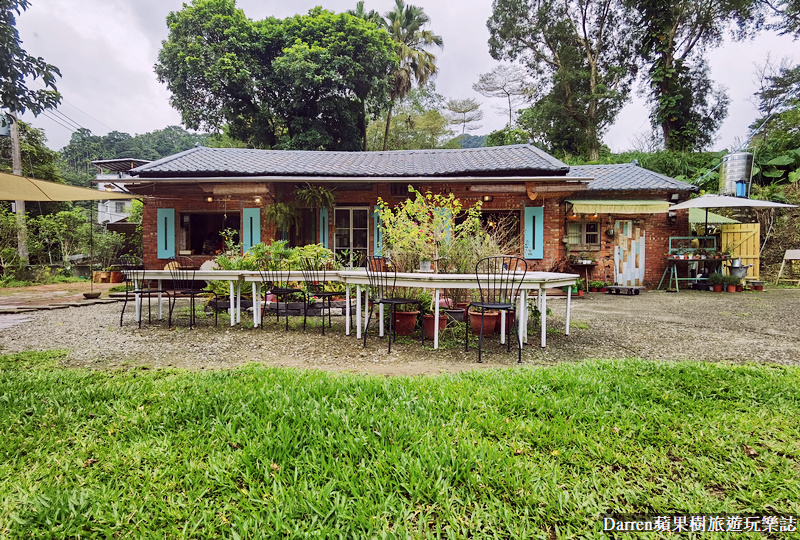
x=628, y=254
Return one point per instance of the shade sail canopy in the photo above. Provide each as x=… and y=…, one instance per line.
x=698, y=215
x=22, y=188
x=621, y=206
x=723, y=201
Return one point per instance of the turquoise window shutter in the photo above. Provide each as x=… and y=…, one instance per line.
x=165, y=232
x=377, y=248
x=251, y=227
x=534, y=232
x=323, y=227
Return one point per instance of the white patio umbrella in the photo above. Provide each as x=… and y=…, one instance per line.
x=710, y=200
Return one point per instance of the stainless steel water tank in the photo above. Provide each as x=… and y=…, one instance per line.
x=734, y=175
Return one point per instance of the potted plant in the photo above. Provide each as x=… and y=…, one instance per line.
x=731, y=282
x=716, y=280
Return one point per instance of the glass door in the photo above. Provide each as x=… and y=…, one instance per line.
x=351, y=240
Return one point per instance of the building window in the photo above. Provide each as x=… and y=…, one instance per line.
x=504, y=227
x=352, y=233
x=583, y=233
x=201, y=233
x=120, y=207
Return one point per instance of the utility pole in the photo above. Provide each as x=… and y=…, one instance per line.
x=16, y=168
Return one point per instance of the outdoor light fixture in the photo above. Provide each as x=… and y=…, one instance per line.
x=209, y=199
x=257, y=200
x=487, y=198
x=672, y=217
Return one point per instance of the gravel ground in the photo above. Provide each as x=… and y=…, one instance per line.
x=703, y=326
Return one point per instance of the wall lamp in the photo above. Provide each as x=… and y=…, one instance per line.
x=672, y=217
x=209, y=199
x=257, y=200
x=487, y=198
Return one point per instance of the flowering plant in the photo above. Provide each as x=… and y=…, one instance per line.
x=423, y=226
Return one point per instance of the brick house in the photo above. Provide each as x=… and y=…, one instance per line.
x=192, y=195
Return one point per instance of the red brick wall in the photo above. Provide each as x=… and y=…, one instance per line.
x=658, y=230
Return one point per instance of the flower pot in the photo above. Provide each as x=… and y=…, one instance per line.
x=489, y=321
x=717, y=287
x=91, y=295
x=580, y=292
x=405, y=322
x=425, y=266
x=428, y=324
x=509, y=320
x=739, y=288
x=602, y=289
x=592, y=289
x=731, y=288
x=456, y=315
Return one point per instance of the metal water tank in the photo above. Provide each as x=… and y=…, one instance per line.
x=735, y=173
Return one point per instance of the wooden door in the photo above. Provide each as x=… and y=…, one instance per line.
x=743, y=239
x=628, y=254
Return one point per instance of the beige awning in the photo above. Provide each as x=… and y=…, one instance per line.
x=22, y=188
x=619, y=206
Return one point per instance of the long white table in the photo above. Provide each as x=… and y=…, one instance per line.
x=533, y=281
x=233, y=277
x=538, y=281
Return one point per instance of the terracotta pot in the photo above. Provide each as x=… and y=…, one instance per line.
x=739, y=288
x=428, y=324
x=717, y=287
x=489, y=324
x=592, y=289
x=580, y=292
x=405, y=322
x=509, y=320
x=758, y=287
x=602, y=289
x=731, y=288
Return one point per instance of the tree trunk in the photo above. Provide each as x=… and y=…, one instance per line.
x=388, y=123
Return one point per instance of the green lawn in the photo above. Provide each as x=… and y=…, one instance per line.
x=513, y=453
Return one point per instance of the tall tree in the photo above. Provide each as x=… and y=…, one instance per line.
x=302, y=83
x=580, y=49
x=405, y=24
x=16, y=67
x=464, y=112
x=788, y=13
x=507, y=82
x=672, y=37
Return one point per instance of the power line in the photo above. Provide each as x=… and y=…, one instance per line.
x=57, y=121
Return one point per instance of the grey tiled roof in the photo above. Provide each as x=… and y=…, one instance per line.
x=515, y=160
x=627, y=176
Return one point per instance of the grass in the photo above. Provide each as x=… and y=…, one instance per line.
x=256, y=452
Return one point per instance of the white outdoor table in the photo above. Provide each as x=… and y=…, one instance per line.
x=538, y=281
x=233, y=277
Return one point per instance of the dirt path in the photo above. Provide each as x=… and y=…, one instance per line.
x=703, y=326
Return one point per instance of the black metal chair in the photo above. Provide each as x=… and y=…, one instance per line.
x=382, y=277
x=136, y=286
x=275, y=281
x=314, y=274
x=182, y=271
x=499, y=281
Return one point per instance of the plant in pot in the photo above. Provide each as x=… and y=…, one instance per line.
x=716, y=281
x=731, y=283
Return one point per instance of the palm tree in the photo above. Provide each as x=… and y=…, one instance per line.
x=404, y=24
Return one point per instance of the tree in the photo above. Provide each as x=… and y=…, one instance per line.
x=507, y=136
x=508, y=82
x=404, y=24
x=16, y=66
x=578, y=50
x=464, y=112
x=418, y=123
x=302, y=83
x=672, y=36
x=788, y=13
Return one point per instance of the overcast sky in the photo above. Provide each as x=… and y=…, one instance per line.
x=106, y=50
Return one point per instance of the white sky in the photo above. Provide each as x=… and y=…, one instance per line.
x=106, y=50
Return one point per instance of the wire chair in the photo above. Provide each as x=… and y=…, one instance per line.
x=499, y=281
x=136, y=286
x=382, y=276
x=275, y=281
x=182, y=271
x=314, y=274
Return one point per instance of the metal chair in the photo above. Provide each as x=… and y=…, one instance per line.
x=182, y=271
x=382, y=276
x=136, y=286
x=275, y=280
x=499, y=281
x=314, y=273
